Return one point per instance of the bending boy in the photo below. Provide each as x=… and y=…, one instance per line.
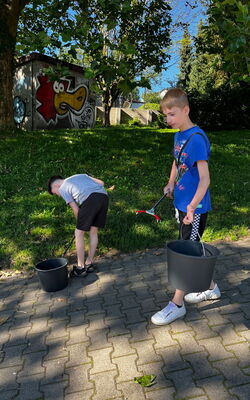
x=89, y=201
x=189, y=181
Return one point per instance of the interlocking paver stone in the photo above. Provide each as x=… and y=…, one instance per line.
x=242, y=392
x=184, y=384
x=242, y=352
x=229, y=336
x=162, y=337
x=78, y=378
x=121, y=346
x=215, y=388
x=231, y=371
x=101, y=360
x=187, y=342
x=127, y=367
x=105, y=387
x=131, y=390
x=172, y=358
x=89, y=341
x=216, y=350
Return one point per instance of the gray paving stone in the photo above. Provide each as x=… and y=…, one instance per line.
x=231, y=371
x=77, y=334
x=101, y=360
x=131, y=390
x=29, y=387
x=215, y=389
x=242, y=352
x=8, y=377
x=54, y=391
x=32, y=364
x=54, y=370
x=139, y=332
x=127, y=368
x=12, y=356
x=242, y=392
x=77, y=354
x=121, y=346
x=184, y=384
x=9, y=395
x=146, y=352
x=187, y=343
x=172, y=359
x=105, y=387
x=99, y=339
x=216, y=350
x=201, y=366
x=78, y=379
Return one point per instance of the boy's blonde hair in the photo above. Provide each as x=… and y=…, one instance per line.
x=175, y=97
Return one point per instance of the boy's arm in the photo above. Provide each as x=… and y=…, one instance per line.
x=97, y=180
x=74, y=207
x=170, y=186
x=200, y=192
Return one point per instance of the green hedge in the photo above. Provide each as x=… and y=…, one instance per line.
x=221, y=108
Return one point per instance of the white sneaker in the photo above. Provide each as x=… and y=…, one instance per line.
x=168, y=314
x=210, y=294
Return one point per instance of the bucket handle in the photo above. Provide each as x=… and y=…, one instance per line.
x=201, y=242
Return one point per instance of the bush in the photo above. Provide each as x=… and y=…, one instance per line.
x=151, y=106
x=134, y=122
x=222, y=108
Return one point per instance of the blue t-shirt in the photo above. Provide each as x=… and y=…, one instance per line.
x=197, y=149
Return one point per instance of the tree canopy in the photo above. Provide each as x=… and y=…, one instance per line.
x=116, y=41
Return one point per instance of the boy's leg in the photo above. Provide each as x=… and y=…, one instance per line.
x=175, y=308
x=195, y=232
x=79, y=235
x=79, y=270
x=93, y=242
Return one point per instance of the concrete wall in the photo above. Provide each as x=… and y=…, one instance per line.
x=123, y=115
x=41, y=104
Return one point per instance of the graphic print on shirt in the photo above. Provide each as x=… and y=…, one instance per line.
x=182, y=168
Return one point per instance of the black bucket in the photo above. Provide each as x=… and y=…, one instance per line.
x=53, y=274
x=191, y=265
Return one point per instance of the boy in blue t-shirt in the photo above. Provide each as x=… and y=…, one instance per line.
x=189, y=181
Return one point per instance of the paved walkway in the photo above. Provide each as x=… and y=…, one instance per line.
x=89, y=341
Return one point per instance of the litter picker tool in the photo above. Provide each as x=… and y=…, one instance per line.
x=152, y=210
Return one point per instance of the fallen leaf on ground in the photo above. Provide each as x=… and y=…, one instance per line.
x=145, y=380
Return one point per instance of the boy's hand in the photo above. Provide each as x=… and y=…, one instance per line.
x=169, y=188
x=188, y=219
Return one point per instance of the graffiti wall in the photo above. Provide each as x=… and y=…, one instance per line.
x=39, y=103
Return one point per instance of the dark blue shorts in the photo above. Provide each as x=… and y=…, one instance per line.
x=93, y=212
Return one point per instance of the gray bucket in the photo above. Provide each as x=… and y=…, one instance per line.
x=53, y=274
x=191, y=265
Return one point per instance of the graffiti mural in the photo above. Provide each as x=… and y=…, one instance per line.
x=19, y=110
x=57, y=102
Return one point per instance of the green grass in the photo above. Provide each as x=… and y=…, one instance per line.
x=137, y=160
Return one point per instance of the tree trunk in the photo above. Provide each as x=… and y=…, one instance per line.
x=10, y=12
x=108, y=99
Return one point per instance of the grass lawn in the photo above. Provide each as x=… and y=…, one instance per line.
x=137, y=160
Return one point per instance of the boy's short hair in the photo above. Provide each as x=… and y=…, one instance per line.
x=52, y=180
x=175, y=97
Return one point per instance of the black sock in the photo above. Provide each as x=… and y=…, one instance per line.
x=178, y=305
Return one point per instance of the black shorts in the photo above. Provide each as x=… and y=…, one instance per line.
x=190, y=232
x=93, y=212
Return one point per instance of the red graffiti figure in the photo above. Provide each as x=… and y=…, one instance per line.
x=56, y=99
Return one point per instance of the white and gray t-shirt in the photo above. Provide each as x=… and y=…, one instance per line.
x=79, y=187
